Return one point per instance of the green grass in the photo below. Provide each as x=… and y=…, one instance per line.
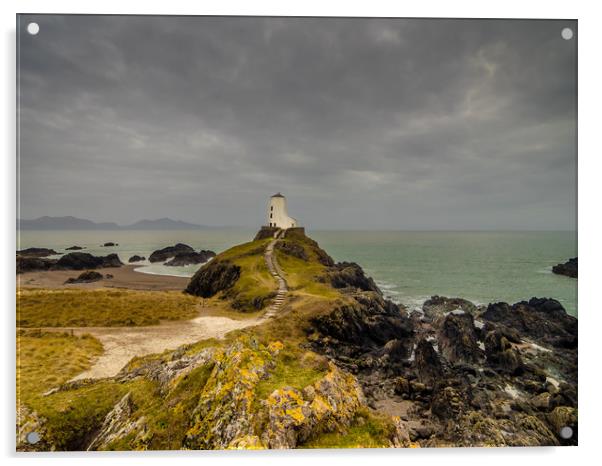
x=366, y=431
x=294, y=368
x=256, y=286
x=48, y=359
x=102, y=308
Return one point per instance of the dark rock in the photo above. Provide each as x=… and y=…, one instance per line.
x=74, y=248
x=569, y=268
x=161, y=255
x=33, y=264
x=541, y=319
x=187, y=258
x=369, y=323
x=447, y=403
x=292, y=249
x=265, y=232
x=83, y=260
x=351, y=275
x=212, y=278
x=136, y=258
x=86, y=277
x=501, y=355
x=36, y=252
x=109, y=244
x=458, y=338
x=426, y=363
x=109, y=276
x=437, y=306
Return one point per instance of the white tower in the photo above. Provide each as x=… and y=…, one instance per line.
x=278, y=213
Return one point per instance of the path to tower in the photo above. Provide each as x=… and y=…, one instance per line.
x=276, y=271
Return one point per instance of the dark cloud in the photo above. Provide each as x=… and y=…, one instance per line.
x=362, y=123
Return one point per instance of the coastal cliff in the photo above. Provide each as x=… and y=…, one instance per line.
x=337, y=366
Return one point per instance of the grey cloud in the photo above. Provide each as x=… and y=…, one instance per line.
x=363, y=123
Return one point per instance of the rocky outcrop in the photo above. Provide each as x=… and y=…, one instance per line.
x=292, y=249
x=86, y=277
x=350, y=275
x=569, y=268
x=370, y=322
x=84, y=260
x=74, y=248
x=109, y=244
x=210, y=279
x=33, y=264
x=188, y=258
x=118, y=424
x=36, y=252
x=540, y=319
x=457, y=338
x=161, y=255
x=437, y=306
x=136, y=258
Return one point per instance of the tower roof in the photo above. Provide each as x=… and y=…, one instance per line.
x=277, y=195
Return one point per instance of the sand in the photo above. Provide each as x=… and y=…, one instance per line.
x=123, y=343
x=123, y=277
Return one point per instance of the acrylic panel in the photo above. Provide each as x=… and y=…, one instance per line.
x=295, y=232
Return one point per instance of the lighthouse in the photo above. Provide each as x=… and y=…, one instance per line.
x=278, y=213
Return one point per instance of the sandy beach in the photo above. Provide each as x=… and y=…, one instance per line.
x=123, y=277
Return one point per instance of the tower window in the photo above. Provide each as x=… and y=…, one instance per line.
x=271, y=207
x=270, y=215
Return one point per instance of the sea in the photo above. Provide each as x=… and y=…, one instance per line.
x=409, y=266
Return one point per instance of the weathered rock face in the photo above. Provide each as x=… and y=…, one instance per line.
x=136, y=258
x=438, y=306
x=83, y=260
x=569, y=268
x=458, y=338
x=118, y=424
x=427, y=364
x=36, y=252
x=350, y=275
x=212, y=278
x=370, y=322
x=86, y=277
x=501, y=355
x=187, y=258
x=32, y=264
x=478, y=386
x=540, y=319
x=161, y=255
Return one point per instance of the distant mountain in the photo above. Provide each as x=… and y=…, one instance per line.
x=73, y=223
x=163, y=224
x=64, y=223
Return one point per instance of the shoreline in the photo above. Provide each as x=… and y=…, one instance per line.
x=123, y=277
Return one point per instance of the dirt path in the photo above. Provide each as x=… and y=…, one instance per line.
x=123, y=343
x=276, y=271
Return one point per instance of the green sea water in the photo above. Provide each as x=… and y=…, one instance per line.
x=409, y=267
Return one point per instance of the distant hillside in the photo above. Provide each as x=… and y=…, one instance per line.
x=73, y=223
x=163, y=224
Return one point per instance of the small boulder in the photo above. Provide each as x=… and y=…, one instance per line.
x=74, y=248
x=86, y=277
x=136, y=258
x=161, y=255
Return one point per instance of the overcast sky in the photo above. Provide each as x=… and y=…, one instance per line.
x=361, y=123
